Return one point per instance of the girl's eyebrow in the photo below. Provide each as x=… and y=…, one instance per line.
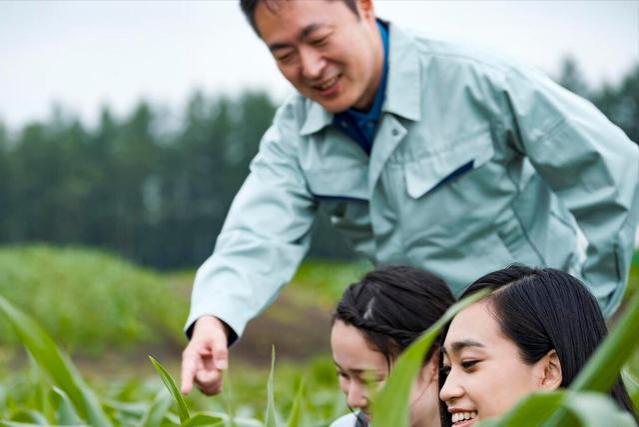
x=458, y=346
x=354, y=371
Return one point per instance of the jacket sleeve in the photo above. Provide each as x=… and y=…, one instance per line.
x=591, y=165
x=265, y=235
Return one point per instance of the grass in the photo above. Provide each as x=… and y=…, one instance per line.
x=92, y=302
x=58, y=394
x=88, y=300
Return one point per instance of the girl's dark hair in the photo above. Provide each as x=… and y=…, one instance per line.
x=393, y=305
x=545, y=309
x=248, y=8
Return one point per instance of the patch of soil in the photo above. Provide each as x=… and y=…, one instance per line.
x=297, y=331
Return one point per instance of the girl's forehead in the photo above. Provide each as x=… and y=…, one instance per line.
x=477, y=328
x=475, y=323
x=351, y=350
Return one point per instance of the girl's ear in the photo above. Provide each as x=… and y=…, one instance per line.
x=430, y=371
x=549, y=371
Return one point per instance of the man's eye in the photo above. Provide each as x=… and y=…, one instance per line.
x=342, y=374
x=284, y=58
x=319, y=42
x=444, y=370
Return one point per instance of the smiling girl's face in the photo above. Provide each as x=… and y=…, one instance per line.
x=486, y=374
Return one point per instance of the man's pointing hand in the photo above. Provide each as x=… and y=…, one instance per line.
x=206, y=356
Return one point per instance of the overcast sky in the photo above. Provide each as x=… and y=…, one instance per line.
x=86, y=54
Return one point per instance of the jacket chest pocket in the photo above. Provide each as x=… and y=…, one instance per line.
x=436, y=170
x=342, y=193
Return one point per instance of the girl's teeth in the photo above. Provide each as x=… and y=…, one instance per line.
x=461, y=416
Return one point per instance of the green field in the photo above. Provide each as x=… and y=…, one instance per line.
x=109, y=314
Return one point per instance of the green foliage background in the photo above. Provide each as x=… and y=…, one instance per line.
x=155, y=187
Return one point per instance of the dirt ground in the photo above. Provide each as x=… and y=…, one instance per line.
x=297, y=331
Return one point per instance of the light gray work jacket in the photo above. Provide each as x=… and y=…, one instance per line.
x=477, y=163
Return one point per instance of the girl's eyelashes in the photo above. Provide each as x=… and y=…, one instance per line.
x=469, y=364
x=466, y=365
x=365, y=378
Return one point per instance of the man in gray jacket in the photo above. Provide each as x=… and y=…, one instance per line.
x=422, y=153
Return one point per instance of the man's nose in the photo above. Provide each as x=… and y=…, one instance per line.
x=356, y=397
x=312, y=64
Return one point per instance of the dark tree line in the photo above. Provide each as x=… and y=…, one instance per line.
x=160, y=196
x=156, y=197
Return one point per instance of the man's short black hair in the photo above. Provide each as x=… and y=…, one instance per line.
x=248, y=8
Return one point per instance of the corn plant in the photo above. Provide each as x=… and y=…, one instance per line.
x=72, y=402
x=57, y=365
x=272, y=417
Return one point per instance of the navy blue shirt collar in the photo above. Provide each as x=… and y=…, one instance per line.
x=362, y=126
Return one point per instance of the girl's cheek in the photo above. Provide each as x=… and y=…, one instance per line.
x=343, y=384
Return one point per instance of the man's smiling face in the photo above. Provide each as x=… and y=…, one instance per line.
x=330, y=54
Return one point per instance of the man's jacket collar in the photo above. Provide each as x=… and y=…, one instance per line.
x=403, y=89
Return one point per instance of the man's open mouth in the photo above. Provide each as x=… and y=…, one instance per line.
x=328, y=83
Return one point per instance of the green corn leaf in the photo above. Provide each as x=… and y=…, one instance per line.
x=602, y=370
x=272, y=418
x=295, y=417
x=533, y=410
x=632, y=385
x=7, y=423
x=66, y=413
x=157, y=410
x=135, y=409
x=30, y=416
x=41, y=391
x=223, y=419
x=56, y=364
x=169, y=383
x=578, y=409
x=203, y=419
x=597, y=409
x=247, y=422
x=390, y=405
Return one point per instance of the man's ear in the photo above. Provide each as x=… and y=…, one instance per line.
x=366, y=9
x=549, y=371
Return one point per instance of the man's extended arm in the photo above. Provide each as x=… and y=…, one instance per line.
x=265, y=236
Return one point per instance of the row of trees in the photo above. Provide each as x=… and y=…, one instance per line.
x=160, y=197
x=155, y=196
